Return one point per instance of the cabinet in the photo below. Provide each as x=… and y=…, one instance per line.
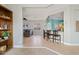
x=6, y=26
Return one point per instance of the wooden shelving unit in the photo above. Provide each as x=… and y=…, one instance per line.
x=6, y=24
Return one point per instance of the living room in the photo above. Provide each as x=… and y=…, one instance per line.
x=41, y=12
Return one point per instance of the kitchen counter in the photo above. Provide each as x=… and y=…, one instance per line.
x=27, y=32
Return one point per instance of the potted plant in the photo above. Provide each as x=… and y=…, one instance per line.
x=5, y=35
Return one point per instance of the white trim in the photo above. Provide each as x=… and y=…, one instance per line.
x=54, y=51
x=32, y=47
x=71, y=44
x=62, y=41
x=18, y=46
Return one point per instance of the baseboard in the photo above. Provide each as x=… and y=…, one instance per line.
x=53, y=51
x=71, y=44
x=18, y=46
x=33, y=47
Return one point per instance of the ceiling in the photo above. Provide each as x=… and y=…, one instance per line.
x=35, y=11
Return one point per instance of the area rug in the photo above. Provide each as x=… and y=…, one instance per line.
x=30, y=51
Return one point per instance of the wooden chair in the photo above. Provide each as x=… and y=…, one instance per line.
x=57, y=37
x=46, y=34
x=51, y=35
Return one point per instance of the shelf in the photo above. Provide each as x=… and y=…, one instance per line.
x=4, y=18
x=4, y=29
x=6, y=24
x=1, y=40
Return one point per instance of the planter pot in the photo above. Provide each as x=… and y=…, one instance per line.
x=5, y=38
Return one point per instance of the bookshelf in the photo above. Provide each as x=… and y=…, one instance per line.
x=6, y=26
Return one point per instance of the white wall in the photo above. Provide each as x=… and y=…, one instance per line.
x=74, y=16
x=17, y=24
x=67, y=25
